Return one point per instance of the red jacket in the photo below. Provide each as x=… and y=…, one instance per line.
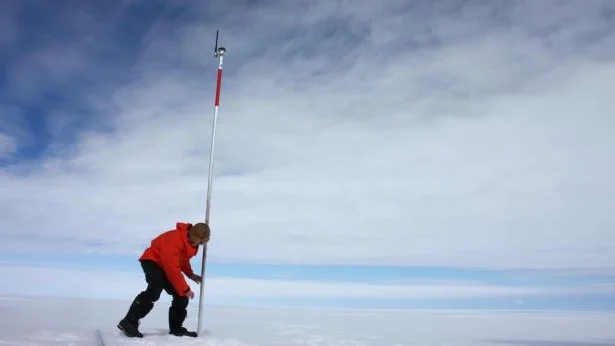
x=172, y=251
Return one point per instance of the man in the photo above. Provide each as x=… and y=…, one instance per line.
x=163, y=264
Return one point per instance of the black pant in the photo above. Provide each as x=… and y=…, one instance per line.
x=144, y=302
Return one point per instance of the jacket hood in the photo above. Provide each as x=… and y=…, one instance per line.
x=183, y=226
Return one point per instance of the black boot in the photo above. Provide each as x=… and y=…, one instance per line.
x=177, y=315
x=138, y=309
x=182, y=331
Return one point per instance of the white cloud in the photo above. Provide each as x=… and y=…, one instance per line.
x=7, y=145
x=14, y=132
x=457, y=142
x=35, y=280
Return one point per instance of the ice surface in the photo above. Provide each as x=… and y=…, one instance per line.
x=26, y=321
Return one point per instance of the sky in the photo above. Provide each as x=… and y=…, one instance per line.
x=407, y=154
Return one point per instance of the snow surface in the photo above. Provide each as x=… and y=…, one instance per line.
x=27, y=321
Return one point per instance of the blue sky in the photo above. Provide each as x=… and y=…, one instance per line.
x=443, y=154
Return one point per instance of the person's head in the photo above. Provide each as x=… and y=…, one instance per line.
x=199, y=234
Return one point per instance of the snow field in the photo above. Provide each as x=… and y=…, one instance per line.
x=26, y=321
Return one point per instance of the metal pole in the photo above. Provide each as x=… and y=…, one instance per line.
x=219, y=53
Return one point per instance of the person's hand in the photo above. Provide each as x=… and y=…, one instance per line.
x=190, y=294
x=196, y=278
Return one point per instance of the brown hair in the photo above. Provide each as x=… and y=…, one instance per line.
x=199, y=232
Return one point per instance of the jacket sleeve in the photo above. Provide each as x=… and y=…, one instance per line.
x=187, y=269
x=172, y=268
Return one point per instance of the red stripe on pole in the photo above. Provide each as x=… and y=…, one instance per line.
x=219, y=82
